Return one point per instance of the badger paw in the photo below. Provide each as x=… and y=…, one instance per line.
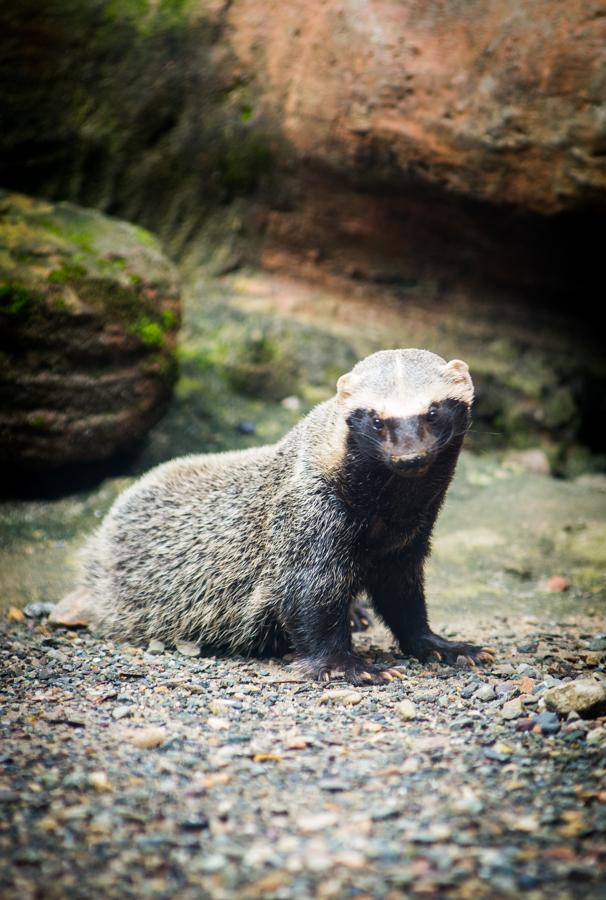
x=454, y=653
x=359, y=617
x=346, y=667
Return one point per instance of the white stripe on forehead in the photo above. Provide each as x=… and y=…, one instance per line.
x=401, y=383
x=399, y=407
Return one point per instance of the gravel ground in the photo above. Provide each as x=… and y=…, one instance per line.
x=126, y=773
x=129, y=773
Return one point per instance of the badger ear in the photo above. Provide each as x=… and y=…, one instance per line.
x=457, y=373
x=344, y=386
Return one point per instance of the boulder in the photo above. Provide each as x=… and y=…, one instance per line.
x=89, y=311
x=499, y=102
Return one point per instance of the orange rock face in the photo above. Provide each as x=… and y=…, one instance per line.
x=502, y=102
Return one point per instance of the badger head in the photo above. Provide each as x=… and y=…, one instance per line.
x=404, y=407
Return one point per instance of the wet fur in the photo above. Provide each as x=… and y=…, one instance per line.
x=262, y=550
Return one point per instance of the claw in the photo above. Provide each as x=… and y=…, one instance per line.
x=386, y=675
x=485, y=656
x=326, y=676
x=471, y=661
x=395, y=673
x=365, y=676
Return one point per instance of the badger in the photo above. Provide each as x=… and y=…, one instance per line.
x=263, y=551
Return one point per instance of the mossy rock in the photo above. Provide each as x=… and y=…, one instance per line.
x=89, y=311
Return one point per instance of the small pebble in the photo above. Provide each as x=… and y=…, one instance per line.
x=505, y=688
x=513, y=709
x=557, y=584
x=597, y=644
x=38, y=610
x=596, y=736
x=524, y=724
x=317, y=821
x=485, y=692
x=342, y=696
x=214, y=862
x=187, y=648
x=146, y=738
x=293, y=404
x=406, y=710
x=100, y=781
x=527, y=671
x=246, y=427
x=548, y=722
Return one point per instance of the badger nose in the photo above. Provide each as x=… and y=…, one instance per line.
x=409, y=462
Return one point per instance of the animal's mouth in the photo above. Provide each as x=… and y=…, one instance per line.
x=412, y=465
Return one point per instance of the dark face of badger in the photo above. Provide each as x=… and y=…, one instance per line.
x=403, y=407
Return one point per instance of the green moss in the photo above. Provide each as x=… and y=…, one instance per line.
x=49, y=225
x=167, y=366
x=147, y=16
x=112, y=262
x=134, y=278
x=82, y=238
x=169, y=319
x=38, y=421
x=145, y=236
x=120, y=301
x=69, y=271
x=14, y=299
x=148, y=332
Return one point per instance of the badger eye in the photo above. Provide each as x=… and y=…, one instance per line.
x=377, y=423
x=432, y=413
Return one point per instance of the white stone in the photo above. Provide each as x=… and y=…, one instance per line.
x=584, y=696
x=406, y=710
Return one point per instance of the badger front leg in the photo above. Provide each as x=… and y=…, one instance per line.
x=396, y=586
x=324, y=651
x=318, y=582
x=321, y=635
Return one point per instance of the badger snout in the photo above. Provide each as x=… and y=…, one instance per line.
x=410, y=447
x=412, y=464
